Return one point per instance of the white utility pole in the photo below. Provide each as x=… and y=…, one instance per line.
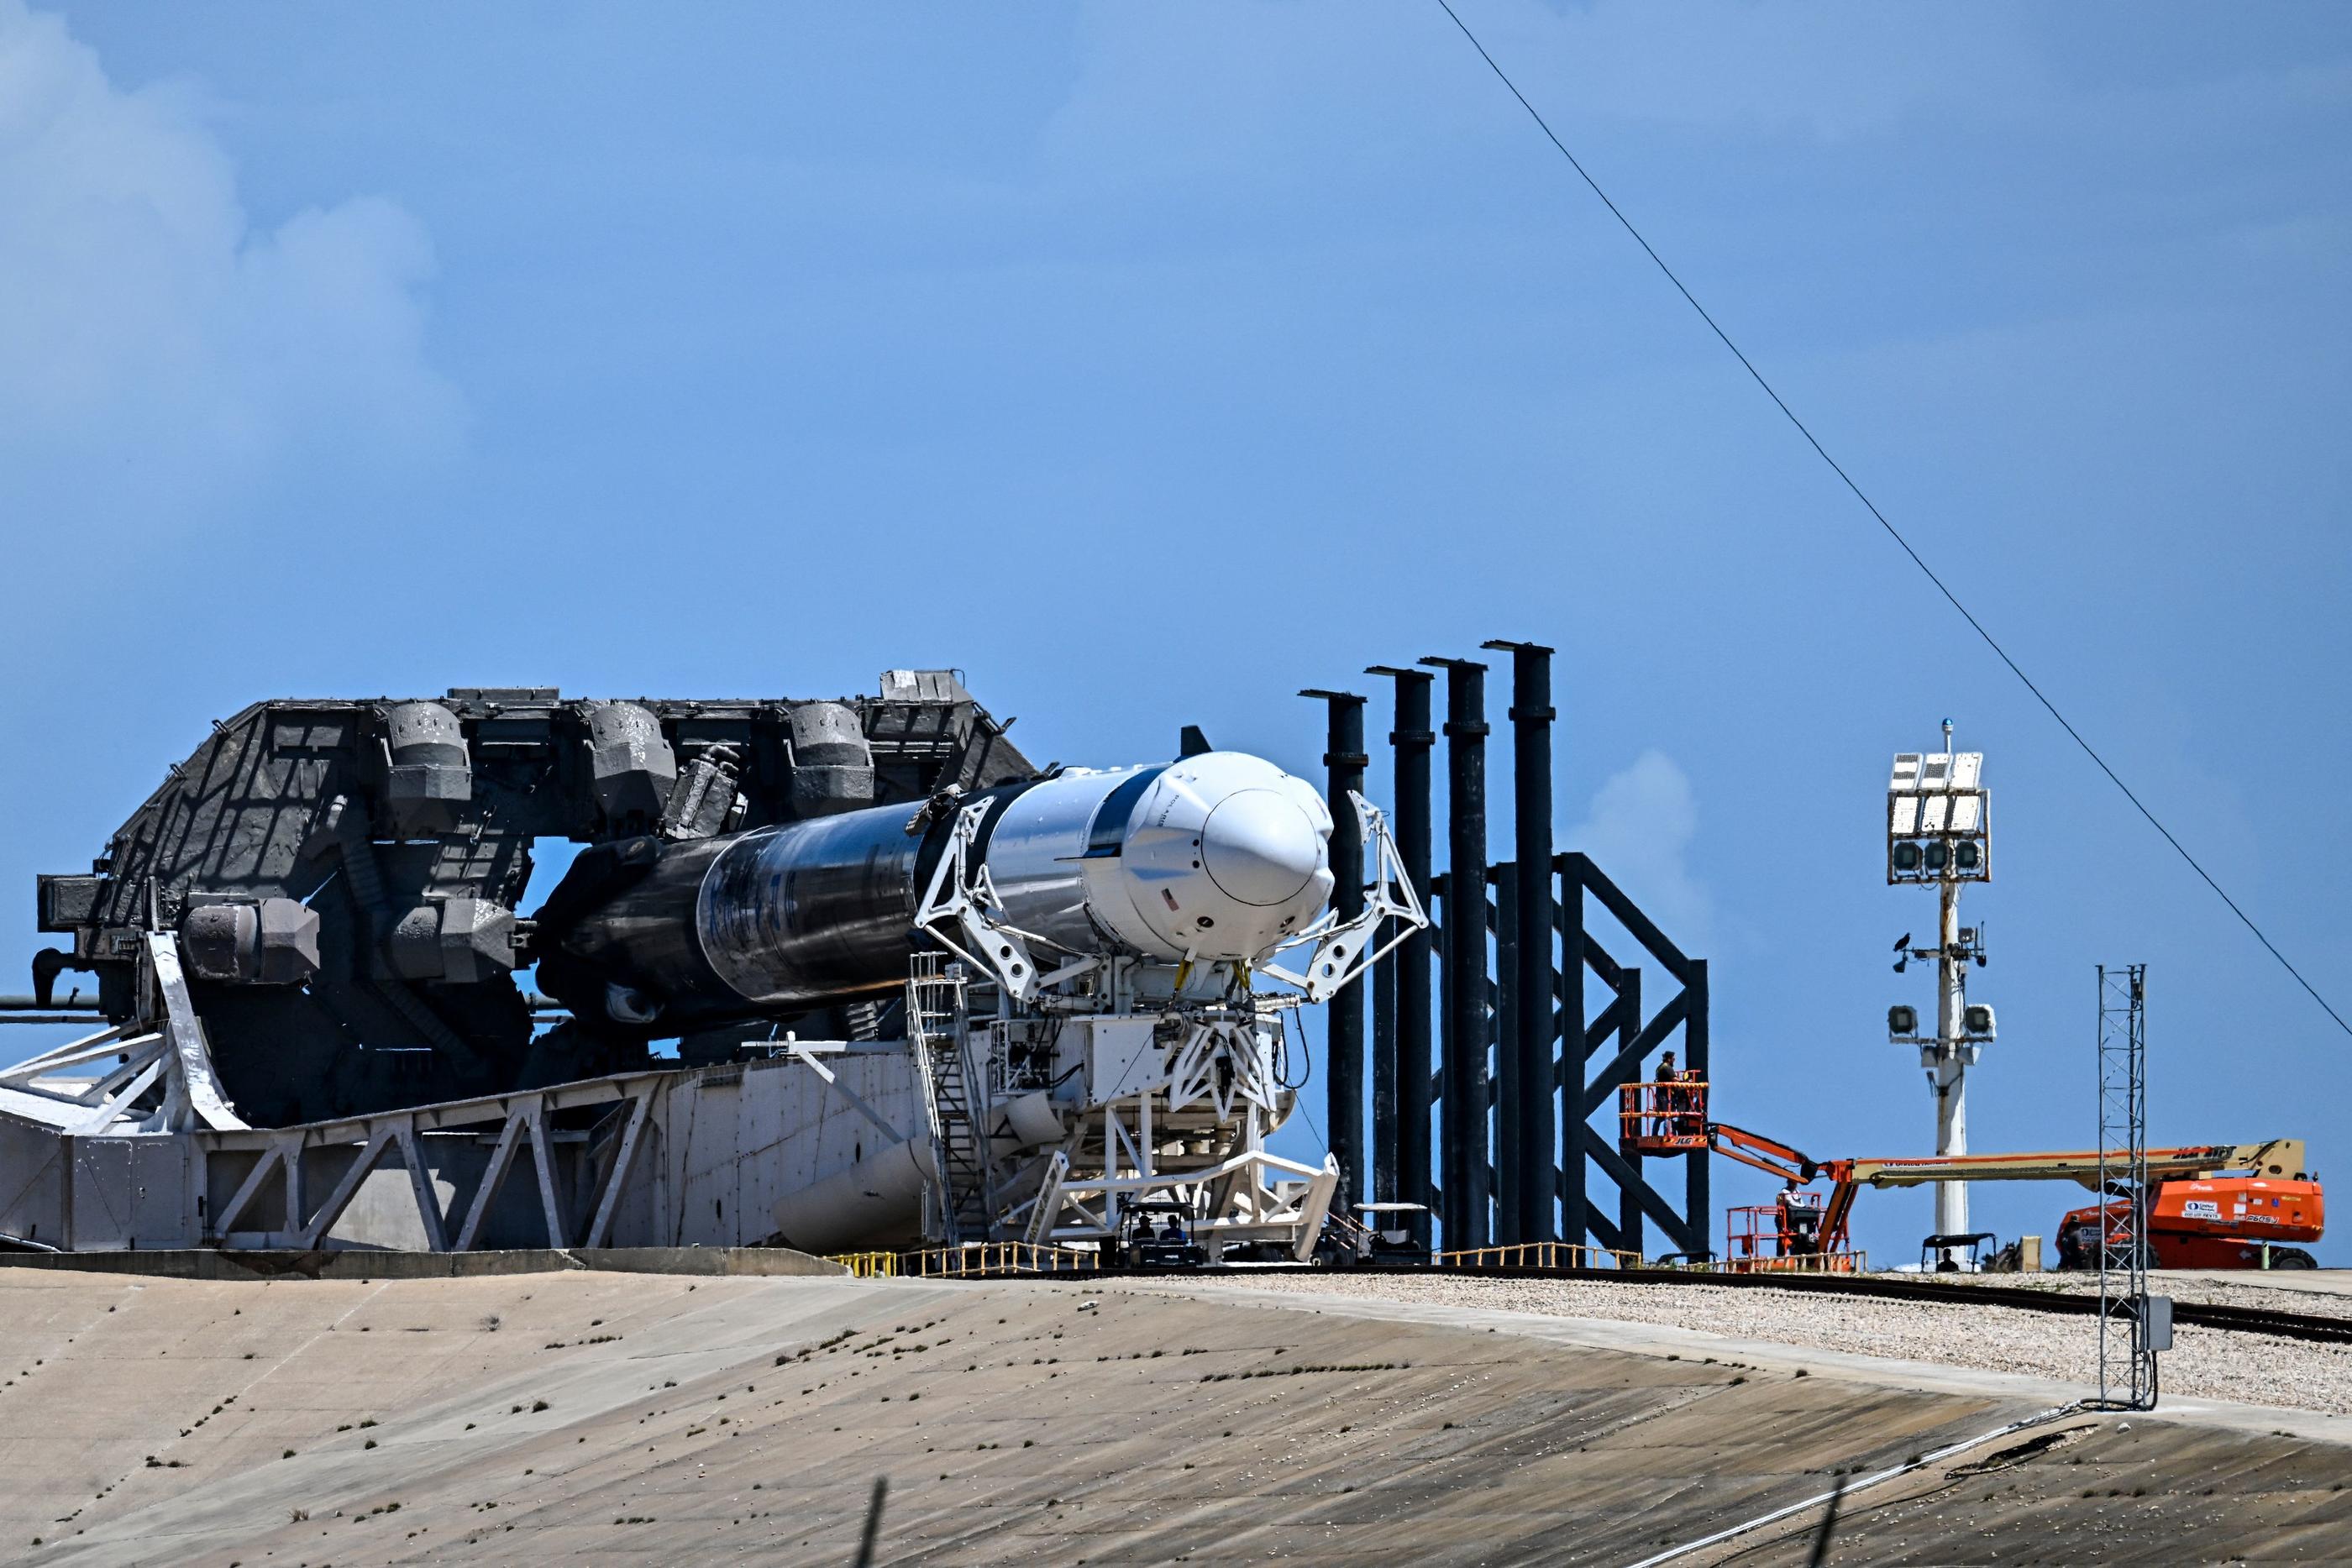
x=1948, y=1075
x=1939, y=832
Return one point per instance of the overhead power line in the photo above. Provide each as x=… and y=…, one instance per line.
x=1891, y=531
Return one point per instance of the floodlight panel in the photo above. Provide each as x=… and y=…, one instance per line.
x=1936, y=771
x=1903, y=820
x=1967, y=812
x=1906, y=772
x=1932, y=812
x=1966, y=768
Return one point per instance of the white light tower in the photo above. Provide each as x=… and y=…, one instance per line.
x=1940, y=833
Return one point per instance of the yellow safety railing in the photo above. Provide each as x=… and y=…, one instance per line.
x=997, y=1259
x=1539, y=1255
x=978, y=1260
x=1852, y=1262
x=1849, y=1262
x=868, y=1265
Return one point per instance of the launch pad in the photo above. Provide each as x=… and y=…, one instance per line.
x=924, y=992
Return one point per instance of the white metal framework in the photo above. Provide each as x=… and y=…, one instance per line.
x=1343, y=952
x=161, y=1079
x=1189, y=1127
x=962, y=899
x=1160, y=1079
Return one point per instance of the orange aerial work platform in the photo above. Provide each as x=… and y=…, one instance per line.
x=2195, y=1220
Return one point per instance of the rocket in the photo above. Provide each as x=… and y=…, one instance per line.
x=1209, y=863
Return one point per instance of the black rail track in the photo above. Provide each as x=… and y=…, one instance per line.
x=2268, y=1320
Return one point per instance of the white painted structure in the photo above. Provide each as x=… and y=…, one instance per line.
x=1940, y=833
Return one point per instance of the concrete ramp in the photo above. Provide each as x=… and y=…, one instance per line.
x=525, y=1417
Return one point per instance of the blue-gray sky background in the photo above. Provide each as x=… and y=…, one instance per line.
x=1151, y=364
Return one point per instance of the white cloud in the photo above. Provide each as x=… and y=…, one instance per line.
x=1638, y=832
x=159, y=353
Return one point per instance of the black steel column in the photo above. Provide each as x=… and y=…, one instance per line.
x=1697, y=1202
x=1383, y=981
x=1445, y=910
x=1570, y=919
x=1629, y=1028
x=1529, y=1007
x=1343, y=1092
x=1407, y=969
x=1464, y=1152
x=1510, y=1157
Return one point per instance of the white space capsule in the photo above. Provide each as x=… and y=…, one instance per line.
x=1218, y=857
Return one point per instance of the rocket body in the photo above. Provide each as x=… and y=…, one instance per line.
x=1215, y=858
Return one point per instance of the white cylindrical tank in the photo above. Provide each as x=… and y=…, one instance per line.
x=878, y=1202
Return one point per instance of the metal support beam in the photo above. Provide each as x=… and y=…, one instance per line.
x=1628, y=1008
x=1446, y=911
x=1689, y=1233
x=420, y=1186
x=1408, y=967
x=1467, y=1174
x=602, y=1226
x=1574, y=958
x=542, y=1158
x=249, y=1189
x=494, y=1175
x=1589, y=1080
x=1509, y=1152
x=1344, y=760
x=1698, y=1203
x=1625, y=1066
x=1383, y=983
x=344, y=1190
x=1529, y=1123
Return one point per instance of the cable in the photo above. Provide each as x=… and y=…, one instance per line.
x=1297, y=1098
x=1892, y=532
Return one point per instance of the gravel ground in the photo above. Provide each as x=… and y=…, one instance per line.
x=2281, y=1291
x=2216, y=1364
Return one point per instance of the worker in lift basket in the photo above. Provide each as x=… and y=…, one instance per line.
x=1669, y=1097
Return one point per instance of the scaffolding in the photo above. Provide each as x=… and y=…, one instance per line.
x=2132, y=1328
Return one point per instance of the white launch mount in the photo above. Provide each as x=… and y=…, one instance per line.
x=1940, y=834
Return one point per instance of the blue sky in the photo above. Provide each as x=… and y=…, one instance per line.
x=1151, y=364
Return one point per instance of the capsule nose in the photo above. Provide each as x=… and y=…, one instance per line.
x=1259, y=848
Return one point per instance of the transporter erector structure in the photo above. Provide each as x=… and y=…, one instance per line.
x=923, y=990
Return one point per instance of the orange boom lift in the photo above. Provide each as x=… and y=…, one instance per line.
x=2213, y=1205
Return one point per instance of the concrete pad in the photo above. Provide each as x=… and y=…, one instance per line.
x=1653, y=1339
x=526, y=1417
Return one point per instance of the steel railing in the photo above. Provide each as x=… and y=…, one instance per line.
x=1539, y=1255
x=868, y=1265
x=1847, y=1262
x=996, y=1259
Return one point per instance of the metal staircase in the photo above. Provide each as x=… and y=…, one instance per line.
x=956, y=1102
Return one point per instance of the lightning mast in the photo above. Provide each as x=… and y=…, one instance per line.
x=1940, y=834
